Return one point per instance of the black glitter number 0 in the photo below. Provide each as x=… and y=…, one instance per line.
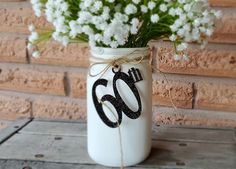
x=130, y=79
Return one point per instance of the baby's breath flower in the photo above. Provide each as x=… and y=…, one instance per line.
x=151, y=5
x=134, y=27
x=182, y=46
x=31, y=28
x=173, y=37
x=136, y=1
x=97, y=5
x=144, y=8
x=30, y=46
x=114, y=44
x=163, y=7
x=187, y=7
x=217, y=14
x=33, y=37
x=177, y=57
x=155, y=18
x=111, y=1
x=181, y=1
x=65, y=40
x=130, y=9
x=172, y=11
x=36, y=54
x=185, y=57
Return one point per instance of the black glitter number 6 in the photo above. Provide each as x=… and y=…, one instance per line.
x=118, y=103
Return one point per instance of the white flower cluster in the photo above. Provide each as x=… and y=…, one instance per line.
x=32, y=38
x=110, y=23
x=193, y=24
x=56, y=12
x=37, y=7
x=104, y=27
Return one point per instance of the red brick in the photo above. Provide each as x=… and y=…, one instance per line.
x=216, y=96
x=16, y=16
x=190, y=119
x=59, y=108
x=78, y=84
x=215, y=60
x=172, y=93
x=11, y=0
x=225, y=31
x=12, y=107
x=224, y=3
x=32, y=80
x=12, y=48
x=56, y=54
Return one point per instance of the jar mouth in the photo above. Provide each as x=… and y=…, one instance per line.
x=117, y=52
x=120, y=49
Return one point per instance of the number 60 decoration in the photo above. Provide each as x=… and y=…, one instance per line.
x=130, y=79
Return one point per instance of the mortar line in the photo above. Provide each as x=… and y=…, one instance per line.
x=34, y=96
x=197, y=112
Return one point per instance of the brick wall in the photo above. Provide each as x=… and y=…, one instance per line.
x=54, y=86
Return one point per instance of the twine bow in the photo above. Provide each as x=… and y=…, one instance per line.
x=115, y=63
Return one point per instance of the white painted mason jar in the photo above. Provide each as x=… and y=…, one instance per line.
x=119, y=106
